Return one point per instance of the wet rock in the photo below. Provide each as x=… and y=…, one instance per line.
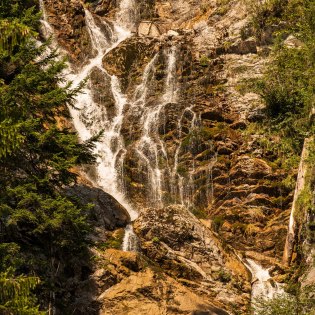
x=240, y=47
x=103, y=7
x=239, y=125
x=213, y=115
x=247, y=167
x=68, y=21
x=148, y=28
x=126, y=61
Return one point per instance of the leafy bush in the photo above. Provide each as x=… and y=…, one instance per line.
x=155, y=240
x=266, y=13
x=204, y=61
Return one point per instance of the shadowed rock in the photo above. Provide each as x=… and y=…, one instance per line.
x=107, y=211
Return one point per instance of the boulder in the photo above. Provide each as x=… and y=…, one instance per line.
x=107, y=211
x=148, y=28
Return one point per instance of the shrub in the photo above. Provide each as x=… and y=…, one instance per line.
x=204, y=61
x=217, y=223
x=155, y=240
x=224, y=276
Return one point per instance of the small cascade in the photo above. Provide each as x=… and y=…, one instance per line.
x=150, y=148
x=182, y=188
x=170, y=94
x=130, y=241
x=127, y=14
x=46, y=27
x=300, y=185
x=141, y=91
x=262, y=284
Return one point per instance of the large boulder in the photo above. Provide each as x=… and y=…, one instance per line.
x=107, y=212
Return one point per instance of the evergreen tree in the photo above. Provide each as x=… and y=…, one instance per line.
x=37, y=156
x=15, y=294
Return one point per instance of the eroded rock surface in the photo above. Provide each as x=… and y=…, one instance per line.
x=209, y=159
x=155, y=293
x=187, y=250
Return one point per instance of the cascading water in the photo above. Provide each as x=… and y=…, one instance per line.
x=150, y=146
x=181, y=189
x=262, y=284
x=46, y=27
x=90, y=117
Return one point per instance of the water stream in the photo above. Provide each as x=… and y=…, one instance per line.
x=89, y=118
x=262, y=284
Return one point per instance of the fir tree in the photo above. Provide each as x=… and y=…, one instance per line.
x=37, y=155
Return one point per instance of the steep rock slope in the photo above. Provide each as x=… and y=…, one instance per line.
x=187, y=140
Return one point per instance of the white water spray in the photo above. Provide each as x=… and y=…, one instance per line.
x=262, y=284
x=89, y=118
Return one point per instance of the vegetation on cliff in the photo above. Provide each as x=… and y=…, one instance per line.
x=283, y=304
x=287, y=88
x=42, y=231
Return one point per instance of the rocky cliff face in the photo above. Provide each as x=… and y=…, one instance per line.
x=205, y=187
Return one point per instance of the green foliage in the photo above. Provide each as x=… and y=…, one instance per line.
x=222, y=7
x=281, y=305
x=18, y=23
x=16, y=294
x=266, y=14
x=204, y=61
x=288, y=83
x=114, y=241
x=199, y=213
x=204, y=8
x=301, y=304
x=217, y=223
x=155, y=240
x=43, y=231
x=304, y=203
x=224, y=276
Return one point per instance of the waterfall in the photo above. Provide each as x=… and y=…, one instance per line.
x=127, y=14
x=300, y=185
x=150, y=148
x=90, y=117
x=262, y=284
x=46, y=27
